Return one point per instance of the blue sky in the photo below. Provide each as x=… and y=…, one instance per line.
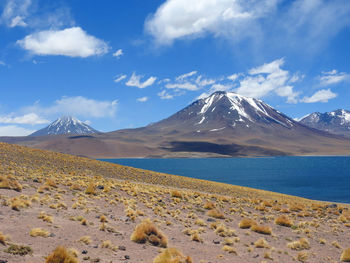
x=124, y=64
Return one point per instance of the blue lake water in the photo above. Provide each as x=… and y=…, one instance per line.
x=319, y=178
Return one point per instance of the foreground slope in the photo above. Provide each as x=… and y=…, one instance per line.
x=95, y=210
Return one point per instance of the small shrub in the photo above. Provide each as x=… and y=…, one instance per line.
x=3, y=238
x=261, y=243
x=216, y=214
x=176, y=194
x=147, y=231
x=345, y=256
x=303, y=256
x=61, y=255
x=284, y=220
x=18, y=250
x=172, y=255
x=85, y=239
x=229, y=249
x=91, y=189
x=209, y=205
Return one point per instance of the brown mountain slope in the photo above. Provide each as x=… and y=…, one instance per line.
x=224, y=124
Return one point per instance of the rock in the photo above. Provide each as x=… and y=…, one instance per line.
x=256, y=256
x=332, y=206
x=96, y=246
x=127, y=257
x=101, y=187
x=216, y=241
x=35, y=181
x=3, y=261
x=95, y=260
x=210, y=219
x=52, y=235
x=84, y=252
x=122, y=248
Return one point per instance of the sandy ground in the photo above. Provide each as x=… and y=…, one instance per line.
x=180, y=214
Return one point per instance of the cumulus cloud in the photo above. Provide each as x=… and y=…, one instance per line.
x=71, y=42
x=266, y=79
x=15, y=13
x=30, y=118
x=119, y=78
x=142, y=99
x=176, y=19
x=13, y=130
x=332, y=77
x=135, y=81
x=77, y=106
x=118, y=53
x=320, y=96
x=214, y=88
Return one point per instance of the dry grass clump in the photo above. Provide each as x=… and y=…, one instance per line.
x=39, y=232
x=284, y=220
x=216, y=213
x=85, y=239
x=246, y=223
x=229, y=249
x=209, y=205
x=345, y=256
x=172, y=255
x=303, y=256
x=176, y=194
x=103, y=219
x=3, y=238
x=45, y=217
x=147, y=231
x=21, y=250
x=261, y=243
x=10, y=182
x=16, y=203
x=265, y=230
x=61, y=255
x=301, y=244
x=52, y=183
x=91, y=189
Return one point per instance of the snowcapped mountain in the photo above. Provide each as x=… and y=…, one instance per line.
x=65, y=125
x=226, y=111
x=337, y=122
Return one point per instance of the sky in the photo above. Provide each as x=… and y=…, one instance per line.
x=125, y=64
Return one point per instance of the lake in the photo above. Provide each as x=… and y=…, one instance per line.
x=319, y=178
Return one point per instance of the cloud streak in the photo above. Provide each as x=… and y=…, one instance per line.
x=135, y=81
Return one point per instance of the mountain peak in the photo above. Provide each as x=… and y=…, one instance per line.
x=65, y=125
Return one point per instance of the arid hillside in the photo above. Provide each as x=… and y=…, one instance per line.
x=62, y=208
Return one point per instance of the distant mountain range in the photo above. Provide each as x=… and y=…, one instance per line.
x=336, y=122
x=65, y=125
x=224, y=124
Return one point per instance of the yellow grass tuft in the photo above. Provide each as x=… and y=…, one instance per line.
x=172, y=255
x=345, y=256
x=10, y=182
x=265, y=230
x=261, y=243
x=85, y=239
x=303, y=256
x=229, y=249
x=301, y=244
x=61, y=255
x=246, y=223
x=147, y=231
x=284, y=220
x=209, y=205
x=91, y=189
x=39, y=232
x=216, y=213
x=3, y=238
x=176, y=193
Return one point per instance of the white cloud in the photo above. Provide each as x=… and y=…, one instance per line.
x=13, y=130
x=320, y=96
x=120, y=78
x=181, y=18
x=2, y=63
x=30, y=118
x=204, y=82
x=118, y=53
x=143, y=99
x=214, y=88
x=182, y=86
x=71, y=42
x=77, y=106
x=266, y=79
x=332, y=77
x=15, y=12
x=186, y=75
x=135, y=81
x=165, y=95
x=233, y=77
